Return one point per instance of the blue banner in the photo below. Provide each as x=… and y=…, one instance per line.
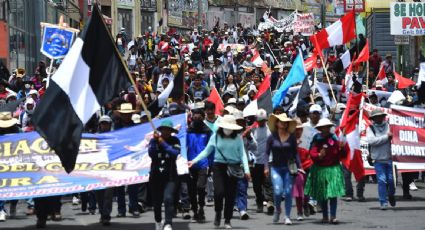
x=56, y=42
x=28, y=167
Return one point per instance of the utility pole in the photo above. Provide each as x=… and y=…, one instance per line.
x=199, y=16
x=323, y=14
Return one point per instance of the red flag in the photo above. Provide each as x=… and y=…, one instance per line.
x=216, y=99
x=317, y=46
x=364, y=54
x=402, y=81
x=265, y=85
x=382, y=76
x=339, y=33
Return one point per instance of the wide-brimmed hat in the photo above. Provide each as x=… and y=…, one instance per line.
x=377, y=113
x=284, y=118
x=228, y=122
x=167, y=124
x=299, y=123
x=6, y=120
x=324, y=122
x=126, y=108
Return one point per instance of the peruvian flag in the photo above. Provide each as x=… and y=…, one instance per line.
x=347, y=82
x=216, y=99
x=339, y=33
x=258, y=61
x=349, y=130
x=402, y=81
x=364, y=54
x=382, y=76
x=311, y=62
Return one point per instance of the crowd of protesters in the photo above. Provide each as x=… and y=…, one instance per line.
x=229, y=150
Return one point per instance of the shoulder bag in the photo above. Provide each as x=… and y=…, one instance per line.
x=233, y=170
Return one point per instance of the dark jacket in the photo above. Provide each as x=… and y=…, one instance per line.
x=164, y=156
x=196, y=141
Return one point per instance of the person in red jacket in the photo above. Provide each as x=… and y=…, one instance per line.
x=298, y=189
x=326, y=180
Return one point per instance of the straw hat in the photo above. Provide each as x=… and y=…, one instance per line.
x=228, y=122
x=376, y=113
x=324, y=122
x=6, y=120
x=284, y=118
x=126, y=108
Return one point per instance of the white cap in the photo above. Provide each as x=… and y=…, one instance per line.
x=315, y=108
x=200, y=72
x=105, y=118
x=136, y=118
x=231, y=101
x=261, y=115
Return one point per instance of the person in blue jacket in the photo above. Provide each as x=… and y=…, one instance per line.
x=198, y=135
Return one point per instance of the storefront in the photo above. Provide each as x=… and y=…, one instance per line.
x=147, y=14
x=125, y=17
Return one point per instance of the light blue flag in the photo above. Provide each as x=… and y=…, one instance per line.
x=296, y=74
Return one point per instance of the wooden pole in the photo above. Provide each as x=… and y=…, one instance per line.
x=329, y=80
x=367, y=75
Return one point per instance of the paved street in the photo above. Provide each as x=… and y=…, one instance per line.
x=352, y=215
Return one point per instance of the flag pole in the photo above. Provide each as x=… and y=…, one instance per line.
x=327, y=77
x=314, y=81
x=367, y=75
x=145, y=109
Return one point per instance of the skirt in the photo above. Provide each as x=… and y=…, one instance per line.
x=298, y=188
x=325, y=182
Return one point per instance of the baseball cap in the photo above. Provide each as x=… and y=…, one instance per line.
x=315, y=108
x=105, y=118
x=261, y=115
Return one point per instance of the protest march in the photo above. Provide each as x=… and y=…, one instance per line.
x=177, y=123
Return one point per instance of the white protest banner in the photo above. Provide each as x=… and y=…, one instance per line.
x=407, y=18
x=304, y=24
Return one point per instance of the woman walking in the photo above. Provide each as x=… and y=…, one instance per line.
x=164, y=149
x=326, y=180
x=282, y=144
x=229, y=156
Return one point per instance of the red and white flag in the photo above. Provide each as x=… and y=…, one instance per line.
x=364, y=54
x=339, y=33
x=382, y=76
x=216, y=99
x=258, y=61
x=311, y=62
x=349, y=130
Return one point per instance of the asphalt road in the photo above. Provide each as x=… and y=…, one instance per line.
x=352, y=215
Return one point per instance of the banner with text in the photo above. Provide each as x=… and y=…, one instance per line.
x=407, y=18
x=408, y=128
x=304, y=24
x=29, y=168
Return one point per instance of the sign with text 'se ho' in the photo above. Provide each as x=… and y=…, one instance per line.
x=29, y=168
x=407, y=18
x=56, y=41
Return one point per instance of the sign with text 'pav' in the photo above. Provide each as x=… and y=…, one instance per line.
x=407, y=18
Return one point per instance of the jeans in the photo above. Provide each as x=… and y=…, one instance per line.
x=197, y=184
x=163, y=192
x=257, y=173
x=132, y=198
x=224, y=191
x=104, y=201
x=384, y=174
x=88, y=198
x=332, y=205
x=282, y=184
x=241, y=199
x=181, y=193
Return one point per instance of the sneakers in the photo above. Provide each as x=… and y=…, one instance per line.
x=270, y=208
x=348, y=199
x=333, y=221
x=158, y=226
x=361, y=199
x=276, y=217
x=168, y=227
x=384, y=207
x=227, y=225
x=120, y=215
x=186, y=215
x=105, y=222
x=57, y=217
x=195, y=218
x=244, y=215
x=392, y=201
x=201, y=216
x=2, y=216
x=300, y=217
x=412, y=186
x=210, y=202
x=306, y=210
x=75, y=201
x=288, y=221
x=135, y=213
x=30, y=211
